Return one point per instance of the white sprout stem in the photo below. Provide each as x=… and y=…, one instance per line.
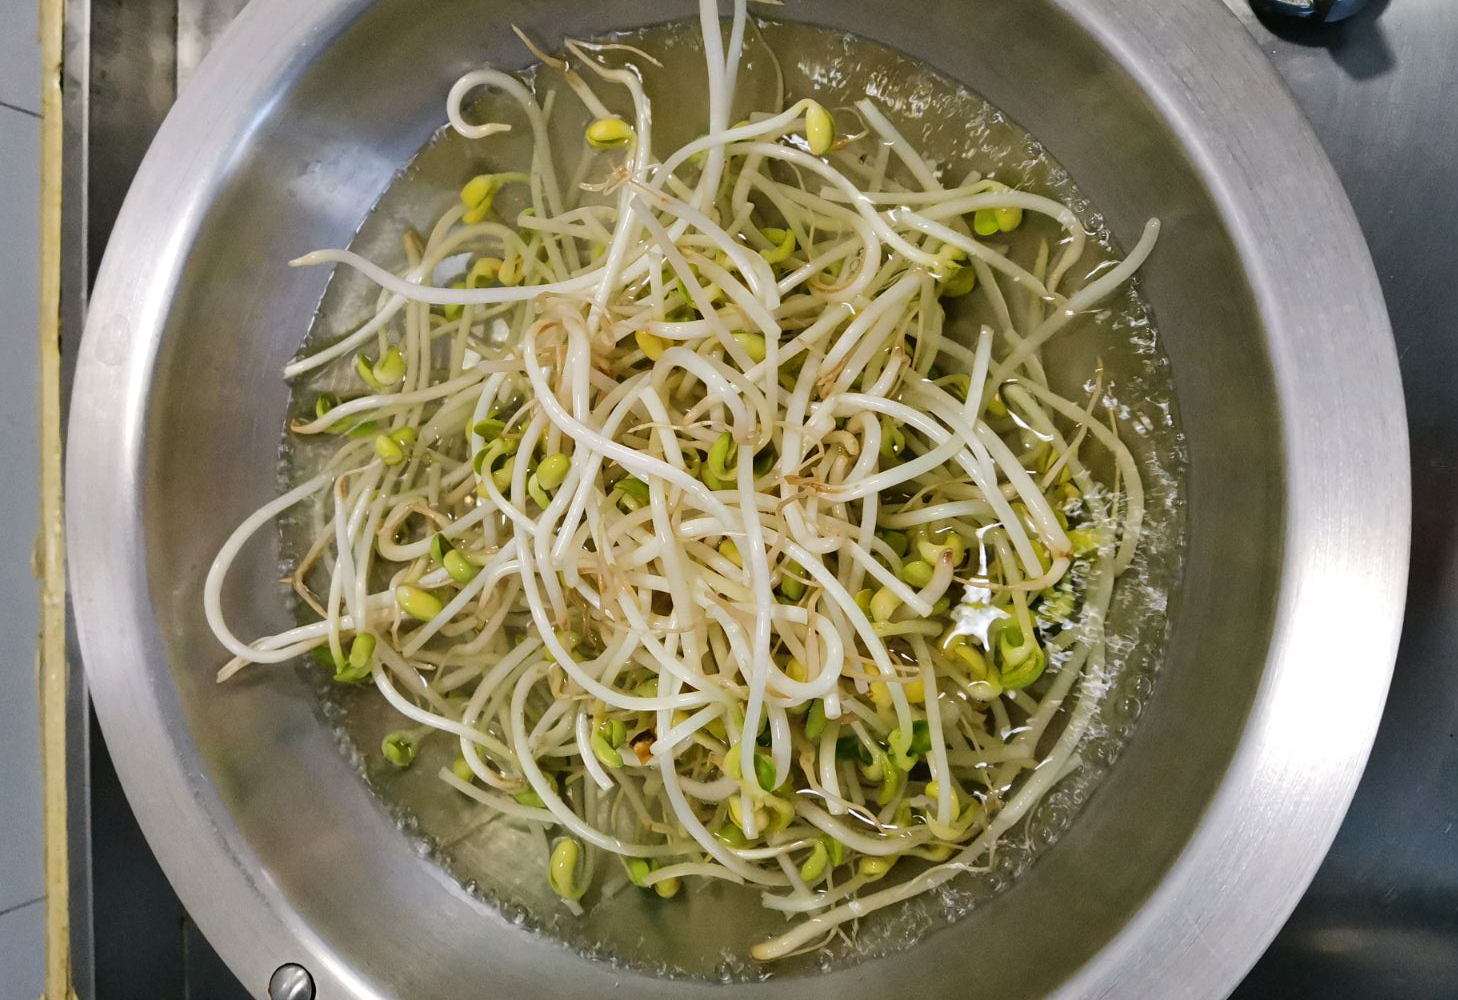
x=218, y=572
x=693, y=469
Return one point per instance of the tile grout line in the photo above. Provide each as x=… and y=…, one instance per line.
x=17, y=108
x=20, y=906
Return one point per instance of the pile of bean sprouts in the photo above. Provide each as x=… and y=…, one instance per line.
x=672, y=505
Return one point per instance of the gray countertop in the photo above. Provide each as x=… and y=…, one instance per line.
x=1381, y=919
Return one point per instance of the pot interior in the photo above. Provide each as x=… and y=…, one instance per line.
x=376, y=873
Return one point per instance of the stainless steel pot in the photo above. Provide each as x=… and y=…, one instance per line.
x=1282, y=635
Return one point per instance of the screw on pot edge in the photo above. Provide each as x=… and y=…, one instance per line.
x=291, y=982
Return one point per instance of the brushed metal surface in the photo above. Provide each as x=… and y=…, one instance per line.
x=1258, y=729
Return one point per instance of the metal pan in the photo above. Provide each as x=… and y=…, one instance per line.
x=1282, y=634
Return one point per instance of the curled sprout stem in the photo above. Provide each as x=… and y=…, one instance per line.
x=684, y=512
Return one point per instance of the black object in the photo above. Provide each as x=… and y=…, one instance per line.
x=1315, y=10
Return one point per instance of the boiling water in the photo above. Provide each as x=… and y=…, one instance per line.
x=708, y=931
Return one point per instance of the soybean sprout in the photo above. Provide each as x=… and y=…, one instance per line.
x=682, y=515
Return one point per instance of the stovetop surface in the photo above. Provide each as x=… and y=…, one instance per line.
x=1380, y=920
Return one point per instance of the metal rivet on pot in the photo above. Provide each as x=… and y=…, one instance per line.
x=291, y=982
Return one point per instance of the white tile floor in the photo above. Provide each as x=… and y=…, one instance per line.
x=22, y=884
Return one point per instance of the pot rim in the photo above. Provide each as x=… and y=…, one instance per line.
x=1309, y=731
